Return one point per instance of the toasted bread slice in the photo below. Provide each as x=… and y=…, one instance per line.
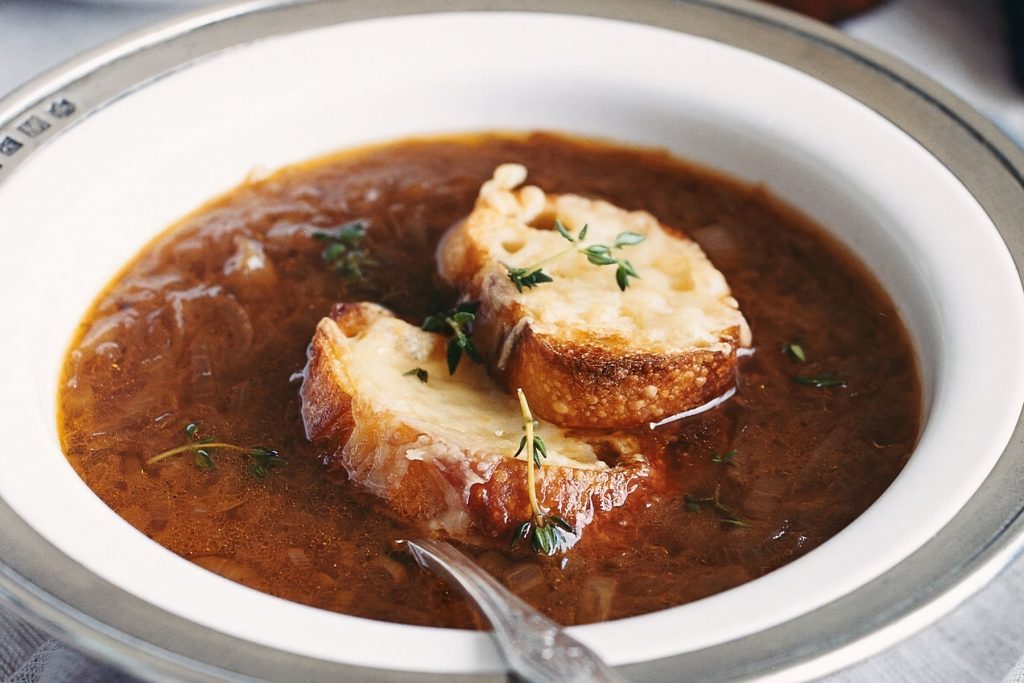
x=441, y=451
x=586, y=353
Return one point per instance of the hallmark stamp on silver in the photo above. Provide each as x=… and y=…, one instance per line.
x=9, y=146
x=62, y=108
x=33, y=126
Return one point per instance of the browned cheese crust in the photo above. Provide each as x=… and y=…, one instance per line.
x=441, y=452
x=581, y=371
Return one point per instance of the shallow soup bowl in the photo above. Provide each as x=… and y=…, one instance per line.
x=101, y=155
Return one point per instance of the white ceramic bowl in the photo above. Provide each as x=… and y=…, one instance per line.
x=79, y=199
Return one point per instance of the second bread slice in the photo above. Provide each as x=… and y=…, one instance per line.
x=439, y=448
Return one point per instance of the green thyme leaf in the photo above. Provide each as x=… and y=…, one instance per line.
x=724, y=458
x=262, y=460
x=433, y=323
x=539, y=446
x=627, y=268
x=560, y=522
x=347, y=233
x=721, y=507
x=454, y=355
x=599, y=255
x=523, y=532
x=564, y=231
x=203, y=460
x=345, y=253
x=547, y=537
x=471, y=351
x=725, y=514
x=823, y=381
x=459, y=323
x=544, y=540
x=795, y=352
x=621, y=278
x=623, y=273
x=419, y=373
x=539, y=450
x=628, y=239
x=734, y=521
x=524, y=278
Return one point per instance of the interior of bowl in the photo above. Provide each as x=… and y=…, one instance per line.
x=84, y=204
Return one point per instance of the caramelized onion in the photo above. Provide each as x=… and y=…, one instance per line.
x=595, y=603
x=211, y=316
x=523, y=578
x=394, y=569
x=298, y=558
x=249, y=271
x=204, y=388
x=230, y=569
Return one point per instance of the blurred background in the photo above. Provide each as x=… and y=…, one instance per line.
x=969, y=46
x=964, y=44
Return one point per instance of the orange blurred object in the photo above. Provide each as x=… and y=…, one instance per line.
x=827, y=10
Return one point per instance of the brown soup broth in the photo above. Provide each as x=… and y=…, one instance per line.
x=185, y=335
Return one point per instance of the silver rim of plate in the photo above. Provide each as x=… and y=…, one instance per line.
x=52, y=590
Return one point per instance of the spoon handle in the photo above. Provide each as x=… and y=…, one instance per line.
x=535, y=648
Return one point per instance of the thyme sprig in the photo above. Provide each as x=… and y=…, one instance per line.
x=545, y=531
x=459, y=322
x=597, y=254
x=714, y=503
x=259, y=460
x=345, y=253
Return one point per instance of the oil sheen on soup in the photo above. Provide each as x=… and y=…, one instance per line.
x=826, y=413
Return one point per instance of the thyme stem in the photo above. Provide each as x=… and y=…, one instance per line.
x=195, y=447
x=538, y=514
x=539, y=265
x=597, y=254
x=259, y=459
x=546, y=531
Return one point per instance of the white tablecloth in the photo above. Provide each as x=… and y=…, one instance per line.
x=960, y=43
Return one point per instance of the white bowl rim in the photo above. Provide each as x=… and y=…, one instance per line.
x=995, y=551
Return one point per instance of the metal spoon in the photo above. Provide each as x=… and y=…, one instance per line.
x=535, y=648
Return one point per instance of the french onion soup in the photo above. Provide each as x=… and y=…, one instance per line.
x=619, y=381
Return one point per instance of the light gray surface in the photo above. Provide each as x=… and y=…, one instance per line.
x=959, y=42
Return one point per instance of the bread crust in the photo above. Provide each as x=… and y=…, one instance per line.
x=467, y=485
x=588, y=385
x=584, y=373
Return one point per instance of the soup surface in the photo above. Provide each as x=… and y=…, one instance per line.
x=190, y=333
